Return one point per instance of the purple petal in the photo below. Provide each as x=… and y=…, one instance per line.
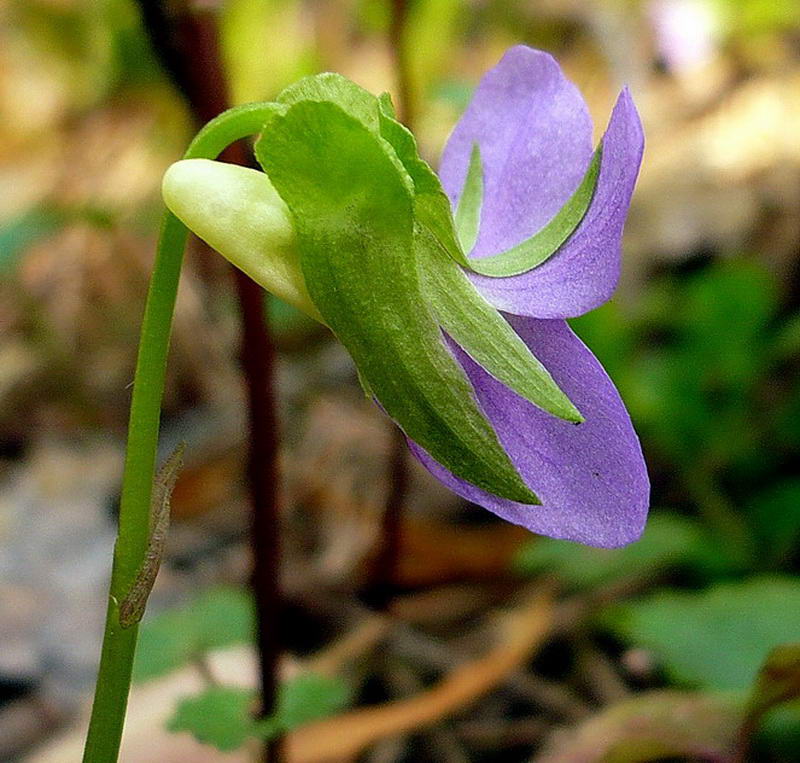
x=535, y=136
x=534, y=157
x=584, y=271
x=591, y=477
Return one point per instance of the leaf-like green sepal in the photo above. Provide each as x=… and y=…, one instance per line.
x=330, y=87
x=431, y=205
x=468, y=211
x=353, y=207
x=484, y=334
x=535, y=250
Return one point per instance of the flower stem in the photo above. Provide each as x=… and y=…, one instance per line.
x=119, y=644
x=201, y=78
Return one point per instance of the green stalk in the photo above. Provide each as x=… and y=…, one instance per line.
x=119, y=644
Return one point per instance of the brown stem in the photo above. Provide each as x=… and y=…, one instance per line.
x=406, y=111
x=187, y=44
x=384, y=570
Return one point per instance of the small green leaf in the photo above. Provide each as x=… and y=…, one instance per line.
x=352, y=203
x=309, y=697
x=18, y=233
x=217, y=618
x=775, y=515
x=541, y=246
x=431, y=205
x=717, y=638
x=468, y=212
x=221, y=716
x=224, y=716
x=484, y=334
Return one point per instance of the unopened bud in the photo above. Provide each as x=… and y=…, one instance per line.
x=237, y=212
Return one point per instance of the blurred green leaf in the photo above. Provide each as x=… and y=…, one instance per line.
x=18, y=233
x=716, y=638
x=668, y=541
x=775, y=515
x=223, y=716
x=455, y=92
x=779, y=733
x=787, y=342
x=310, y=697
x=219, y=617
x=726, y=312
x=690, y=358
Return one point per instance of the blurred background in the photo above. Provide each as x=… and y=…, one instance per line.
x=493, y=645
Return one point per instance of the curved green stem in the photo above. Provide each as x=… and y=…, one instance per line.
x=119, y=644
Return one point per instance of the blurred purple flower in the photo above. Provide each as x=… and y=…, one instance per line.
x=685, y=32
x=534, y=134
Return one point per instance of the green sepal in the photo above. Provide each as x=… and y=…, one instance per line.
x=484, y=334
x=386, y=106
x=468, y=210
x=352, y=203
x=330, y=87
x=537, y=249
x=431, y=205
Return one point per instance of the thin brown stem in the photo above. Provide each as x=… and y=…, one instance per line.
x=406, y=108
x=384, y=570
x=188, y=46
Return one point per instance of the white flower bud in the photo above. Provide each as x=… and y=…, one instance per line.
x=237, y=212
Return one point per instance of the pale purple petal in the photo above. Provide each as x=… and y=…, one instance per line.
x=590, y=477
x=584, y=272
x=535, y=137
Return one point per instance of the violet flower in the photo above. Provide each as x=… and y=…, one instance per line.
x=534, y=134
x=533, y=137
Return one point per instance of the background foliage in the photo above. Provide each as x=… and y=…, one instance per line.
x=703, y=340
